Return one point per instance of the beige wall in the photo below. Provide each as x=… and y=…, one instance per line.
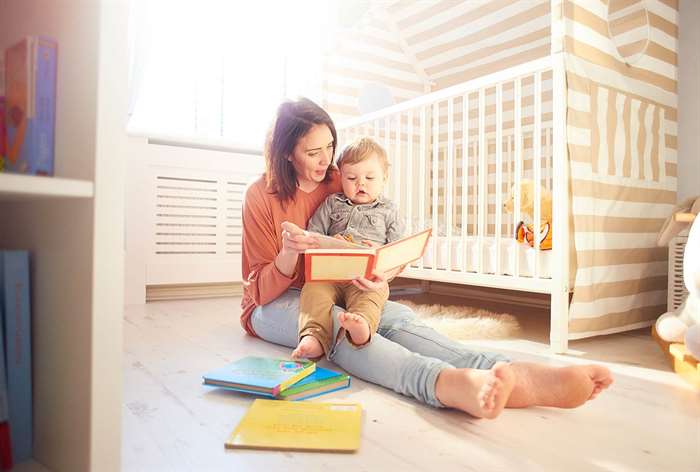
x=689, y=100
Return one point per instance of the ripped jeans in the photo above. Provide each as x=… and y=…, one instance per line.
x=406, y=355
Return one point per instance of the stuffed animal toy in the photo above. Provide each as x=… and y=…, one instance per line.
x=525, y=232
x=683, y=324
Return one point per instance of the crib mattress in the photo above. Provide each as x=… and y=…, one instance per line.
x=510, y=249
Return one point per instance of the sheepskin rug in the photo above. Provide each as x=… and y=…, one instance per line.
x=464, y=322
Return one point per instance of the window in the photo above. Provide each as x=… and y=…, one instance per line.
x=214, y=70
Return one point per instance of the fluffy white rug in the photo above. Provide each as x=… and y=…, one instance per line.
x=464, y=322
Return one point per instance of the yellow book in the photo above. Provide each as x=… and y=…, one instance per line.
x=299, y=426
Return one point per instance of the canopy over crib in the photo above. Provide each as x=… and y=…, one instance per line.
x=578, y=96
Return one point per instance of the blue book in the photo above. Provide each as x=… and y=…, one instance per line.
x=320, y=382
x=14, y=297
x=259, y=375
x=30, y=71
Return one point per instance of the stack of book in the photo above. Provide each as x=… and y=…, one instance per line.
x=28, y=108
x=279, y=379
x=15, y=359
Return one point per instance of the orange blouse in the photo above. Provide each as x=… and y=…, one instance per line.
x=262, y=241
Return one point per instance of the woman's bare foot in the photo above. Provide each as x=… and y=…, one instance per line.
x=562, y=387
x=481, y=393
x=308, y=348
x=356, y=326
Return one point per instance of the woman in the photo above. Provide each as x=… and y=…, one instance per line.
x=406, y=356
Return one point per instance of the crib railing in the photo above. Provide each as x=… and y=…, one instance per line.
x=457, y=155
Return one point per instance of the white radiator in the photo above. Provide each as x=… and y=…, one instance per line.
x=195, y=226
x=676, y=288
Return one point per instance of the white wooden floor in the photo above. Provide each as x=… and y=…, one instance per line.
x=648, y=420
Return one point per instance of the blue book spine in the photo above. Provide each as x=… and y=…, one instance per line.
x=14, y=272
x=43, y=124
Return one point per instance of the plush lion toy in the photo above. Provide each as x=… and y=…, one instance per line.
x=525, y=232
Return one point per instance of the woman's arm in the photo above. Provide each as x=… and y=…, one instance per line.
x=265, y=279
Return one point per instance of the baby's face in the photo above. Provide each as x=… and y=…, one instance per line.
x=363, y=182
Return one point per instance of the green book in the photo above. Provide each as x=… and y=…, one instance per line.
x=320, y=382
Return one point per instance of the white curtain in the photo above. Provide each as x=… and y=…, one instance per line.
x=214, y=69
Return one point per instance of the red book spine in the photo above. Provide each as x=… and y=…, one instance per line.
x=5, y=447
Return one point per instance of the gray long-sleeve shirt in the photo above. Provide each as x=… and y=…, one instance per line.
x=378, y=221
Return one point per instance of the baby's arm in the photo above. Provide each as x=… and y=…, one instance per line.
x=321, y=221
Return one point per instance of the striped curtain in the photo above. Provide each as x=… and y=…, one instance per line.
x=622, y=144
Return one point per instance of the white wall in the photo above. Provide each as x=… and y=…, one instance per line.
x=689, y=100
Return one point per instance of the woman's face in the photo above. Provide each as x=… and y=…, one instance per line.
x=312, y=155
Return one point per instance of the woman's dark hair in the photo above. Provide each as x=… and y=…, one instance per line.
x=294, y=120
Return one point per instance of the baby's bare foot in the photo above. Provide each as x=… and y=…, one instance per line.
x=481, y=393
x=308, y=348
x=356, y=326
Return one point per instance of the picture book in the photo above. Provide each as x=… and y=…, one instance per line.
x=14, y=297
x=2, y=130
x=5, y=443
x=338, y=265
x=2, y=112
x=30, y=94
x=299, y=426
x=320, y=382
x=259, y=375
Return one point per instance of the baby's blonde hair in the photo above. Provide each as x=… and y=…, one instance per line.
x=360, y=150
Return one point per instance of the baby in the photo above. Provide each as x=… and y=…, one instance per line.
x=359, y=214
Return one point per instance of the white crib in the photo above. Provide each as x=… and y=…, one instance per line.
x=458, y=186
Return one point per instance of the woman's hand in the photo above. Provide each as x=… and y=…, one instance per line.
x=295, y=240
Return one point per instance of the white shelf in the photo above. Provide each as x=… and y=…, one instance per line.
x=15, y=187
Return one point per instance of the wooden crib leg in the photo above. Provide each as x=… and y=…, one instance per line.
x=559, y=321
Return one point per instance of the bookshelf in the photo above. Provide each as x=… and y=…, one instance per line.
x=73, y=225
x=15, y=187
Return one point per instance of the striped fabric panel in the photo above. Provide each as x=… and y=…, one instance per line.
x=621, y=132
x=445, y=41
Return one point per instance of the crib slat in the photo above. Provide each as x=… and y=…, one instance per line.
x=483, y=174
x=409, y=176
x=450, y=180
x=436, y=156
x=518, y=89
x=537, y=166
x=422, y=172
x=499, y=174
x=387, y=145
x=397, y=163
x=465, y=181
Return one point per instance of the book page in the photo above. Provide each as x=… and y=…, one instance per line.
x=401, y=252
x=336, y=266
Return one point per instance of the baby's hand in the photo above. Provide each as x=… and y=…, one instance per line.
x=369, y=243
x=339, y=236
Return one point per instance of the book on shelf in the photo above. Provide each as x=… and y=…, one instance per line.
x=347, y=263
x=322, y=381
x=2, y=112
x=5, y=443
x=2, y=130
x=299, y=426
x=30, y=94
x=259, y=375
x=14, y=297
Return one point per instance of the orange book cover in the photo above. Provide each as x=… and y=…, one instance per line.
x=341, y=265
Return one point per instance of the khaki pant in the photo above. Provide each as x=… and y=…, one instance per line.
x=317, y=300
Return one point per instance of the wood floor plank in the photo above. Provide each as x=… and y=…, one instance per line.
x=649, y=419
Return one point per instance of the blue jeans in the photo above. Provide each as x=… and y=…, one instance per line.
x=405, y=355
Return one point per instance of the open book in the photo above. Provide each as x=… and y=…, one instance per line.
x=344, y=261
